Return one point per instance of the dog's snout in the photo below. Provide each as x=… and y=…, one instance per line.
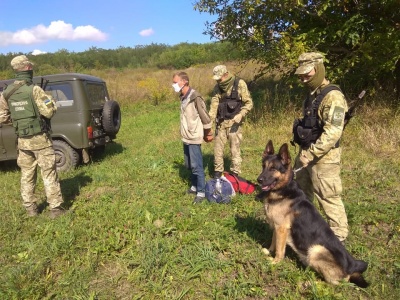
x=260, y=179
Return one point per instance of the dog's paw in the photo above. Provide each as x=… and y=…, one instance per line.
x=276, y=261
x=266, y=251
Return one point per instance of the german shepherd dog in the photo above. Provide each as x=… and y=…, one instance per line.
x=297, y=223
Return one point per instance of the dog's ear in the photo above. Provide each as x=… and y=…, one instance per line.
x=269, y=149
x=284, y=154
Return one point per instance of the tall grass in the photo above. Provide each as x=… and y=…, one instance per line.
x=134, y=234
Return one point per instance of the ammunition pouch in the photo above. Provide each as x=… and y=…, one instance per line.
x=304, y=134
x=230, y=105
x=307, y=130
x=229, y=108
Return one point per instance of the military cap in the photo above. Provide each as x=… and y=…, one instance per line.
x=20, y=62
x=219, y=71
x=307, y=62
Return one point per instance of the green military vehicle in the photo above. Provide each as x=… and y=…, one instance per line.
x=86, y=119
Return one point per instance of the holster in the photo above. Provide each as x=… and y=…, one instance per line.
x=302, y=135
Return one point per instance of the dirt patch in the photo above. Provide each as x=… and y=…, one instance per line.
x=110, y=282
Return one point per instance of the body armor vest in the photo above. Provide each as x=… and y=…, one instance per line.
x=230, y=105
x=24, y=112
x=307, y=130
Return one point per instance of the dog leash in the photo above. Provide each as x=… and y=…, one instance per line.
x=298, y=169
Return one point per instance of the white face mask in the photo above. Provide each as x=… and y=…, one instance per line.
x=176, y=87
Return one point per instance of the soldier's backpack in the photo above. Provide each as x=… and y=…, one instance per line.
x=241, y=185
x=219, y=190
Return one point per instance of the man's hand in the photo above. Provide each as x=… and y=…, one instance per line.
x=304, y=158
x=208, y=135
x=237, y=118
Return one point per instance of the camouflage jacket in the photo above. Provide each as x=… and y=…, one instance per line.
x=331, y=112
x=243, y=93
x=38, y=141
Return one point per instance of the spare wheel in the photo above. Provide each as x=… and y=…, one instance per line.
x=111, y=117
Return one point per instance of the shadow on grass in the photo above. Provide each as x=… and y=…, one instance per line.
x=70, y=189
x=110, y=149
x=208, y=165
x=9, y=166
x=259, y=231
x=255, y=228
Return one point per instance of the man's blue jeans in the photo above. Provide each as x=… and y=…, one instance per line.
x=194, y=162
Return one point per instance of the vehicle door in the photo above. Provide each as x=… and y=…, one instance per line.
x=8, y=142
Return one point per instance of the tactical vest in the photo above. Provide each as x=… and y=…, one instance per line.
x=24, y=112
x=307, y=130
x=230, y=105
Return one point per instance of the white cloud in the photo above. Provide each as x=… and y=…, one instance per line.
x=147, y=32
x=89, y=32
x=57, y=30
x=38, y=52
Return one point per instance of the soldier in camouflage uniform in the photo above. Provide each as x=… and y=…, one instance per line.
x=27, y=106
x=320, y=153
x=230, y=103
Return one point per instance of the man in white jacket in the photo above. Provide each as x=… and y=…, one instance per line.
x=195, y=127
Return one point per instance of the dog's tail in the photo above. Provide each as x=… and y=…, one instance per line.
x=356, y=277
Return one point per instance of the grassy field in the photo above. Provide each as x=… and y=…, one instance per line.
x=134, y=234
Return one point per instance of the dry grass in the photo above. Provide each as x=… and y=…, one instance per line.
x=129, y=86
x=377, y=129
x=375, y=125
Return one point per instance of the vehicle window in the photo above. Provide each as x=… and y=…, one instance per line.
x=96, y=93
x=60, y=92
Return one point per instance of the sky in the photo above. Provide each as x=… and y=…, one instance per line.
x=76, y=25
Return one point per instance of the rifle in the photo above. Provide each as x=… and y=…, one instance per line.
x=43, y=84
x=351, y=112
x=45, y=124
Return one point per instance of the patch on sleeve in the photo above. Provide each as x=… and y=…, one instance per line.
x=48, y=103
x=338, y=116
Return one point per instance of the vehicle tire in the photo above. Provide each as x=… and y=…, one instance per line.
x=111, y=117
x=67, y=158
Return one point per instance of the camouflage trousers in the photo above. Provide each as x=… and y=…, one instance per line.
x=322, y=180
x=28, y=160
x=233, y=135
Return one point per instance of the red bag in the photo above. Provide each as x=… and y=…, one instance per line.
x=240, y=184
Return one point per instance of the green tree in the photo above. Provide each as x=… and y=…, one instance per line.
x=358, y=37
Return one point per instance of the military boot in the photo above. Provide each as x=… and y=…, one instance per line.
x=56, y=212
x=32, y=210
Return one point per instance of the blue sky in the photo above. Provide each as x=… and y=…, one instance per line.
x=76, y=25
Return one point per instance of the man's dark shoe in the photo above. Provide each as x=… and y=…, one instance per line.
x=198, y=199
x=32, y=210
x=217, y=174
x=190, y=191
x=56, y=212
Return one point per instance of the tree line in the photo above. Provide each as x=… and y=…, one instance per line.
x=161, y=56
